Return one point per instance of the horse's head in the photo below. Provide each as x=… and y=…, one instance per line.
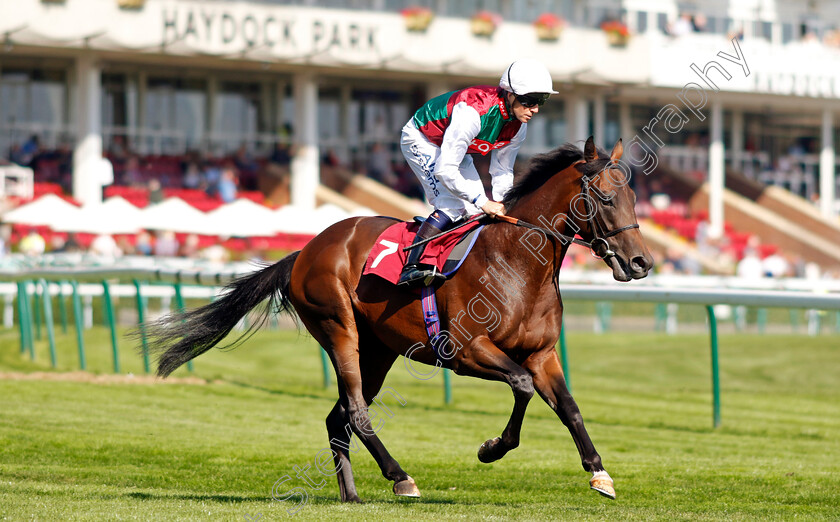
x=606, y=214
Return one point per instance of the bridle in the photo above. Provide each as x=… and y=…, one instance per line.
x=598, y=228
x=598, y=246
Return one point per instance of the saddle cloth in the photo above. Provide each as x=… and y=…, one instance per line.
x=386, y=258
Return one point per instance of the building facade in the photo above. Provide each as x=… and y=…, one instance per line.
x=751, y=85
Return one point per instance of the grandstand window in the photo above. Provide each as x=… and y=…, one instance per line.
x=612, y=127
x=763, y=29
x=33, y=101
x=662, y=22
x=641, y=21
x=176, y=107
x=528, y=10
x=114, y=100
x=787, y=32
x=33, y=95
x=236, y=113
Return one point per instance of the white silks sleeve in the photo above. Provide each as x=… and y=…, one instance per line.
x=464, y=126
x=501, y=164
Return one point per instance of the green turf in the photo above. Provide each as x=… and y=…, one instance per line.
x=72, y=450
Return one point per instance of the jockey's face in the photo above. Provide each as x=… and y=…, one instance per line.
x=520, y=112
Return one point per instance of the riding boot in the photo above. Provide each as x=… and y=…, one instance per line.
x=415, y=274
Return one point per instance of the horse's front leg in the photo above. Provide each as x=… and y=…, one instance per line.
x=550, y=383
x=484, y=360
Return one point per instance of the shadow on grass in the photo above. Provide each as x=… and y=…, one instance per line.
x=226, y=499
x=314, y=499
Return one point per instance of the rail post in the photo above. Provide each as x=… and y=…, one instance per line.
x=447, y=386
x=325, y=366
x=30, y=337
x=21, y=305
x=761, y=319
x=660, y=315
x=794, y=320
x=564, y=357
x=715, y=373
x=36, y=305
x=181, y=306
x=112, y=323
x=77, y=319
x=62, y=308
x=48, y=321
x=141, y=309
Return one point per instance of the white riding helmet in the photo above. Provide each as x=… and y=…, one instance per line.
x=526, y=76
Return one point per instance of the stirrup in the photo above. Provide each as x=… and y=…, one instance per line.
x=413, y=276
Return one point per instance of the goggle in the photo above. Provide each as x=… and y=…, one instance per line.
x=533, y=99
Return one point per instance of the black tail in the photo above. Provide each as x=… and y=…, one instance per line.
x=184, y=335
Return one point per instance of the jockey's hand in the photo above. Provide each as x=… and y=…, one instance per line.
x=493, y=208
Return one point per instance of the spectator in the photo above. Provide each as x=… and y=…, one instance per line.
x=5, y=234
x=700, y=23
x=379, y=165
x=192, y=176
x=682, y=26
x=775, y=265
x=33, y=244
x=281, y=155
x=143, y=245
x=155, y=191
x=125, y=246
x=118, y=151
x=749, y=267
x=71, y=245
x=331, y=159
x=30, y=149
x=212, y=176
x=227, y=185
x=105, y=246
x=215, y=254
x=166, y=244
x=132, y=175
x=190, y=247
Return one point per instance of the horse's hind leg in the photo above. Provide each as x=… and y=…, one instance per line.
x=375, y=361
x=340, y=445
x=360, y=377
x=551, y=385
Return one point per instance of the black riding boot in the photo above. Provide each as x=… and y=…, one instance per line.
x=414, y=274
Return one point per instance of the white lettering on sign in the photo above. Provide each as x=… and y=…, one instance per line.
x=262, y=29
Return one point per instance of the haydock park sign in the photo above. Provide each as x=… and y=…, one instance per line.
x=280, y=31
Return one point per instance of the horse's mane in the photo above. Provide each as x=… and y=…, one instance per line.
x=543, y=166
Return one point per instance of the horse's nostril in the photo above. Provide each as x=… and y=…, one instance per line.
x=639, y=264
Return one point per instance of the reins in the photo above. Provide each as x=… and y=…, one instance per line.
x=599, y=240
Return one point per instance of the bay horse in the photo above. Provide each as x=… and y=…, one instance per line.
x=502, y=310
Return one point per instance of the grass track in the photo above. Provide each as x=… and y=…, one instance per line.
x=74, y=450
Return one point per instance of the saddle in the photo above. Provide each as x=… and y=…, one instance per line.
x=447, y=252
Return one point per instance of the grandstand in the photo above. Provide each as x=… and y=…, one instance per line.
x=729, y=107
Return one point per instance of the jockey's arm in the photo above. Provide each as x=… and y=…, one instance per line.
x=501, y=164
x=464, y=126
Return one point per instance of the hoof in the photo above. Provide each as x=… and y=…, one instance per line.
x=406, y=488
x=490, y=451
x=354, y=499
x=603, y=484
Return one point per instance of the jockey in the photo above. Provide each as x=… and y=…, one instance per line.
x=438, y=139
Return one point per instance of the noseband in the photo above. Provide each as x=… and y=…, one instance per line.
x=598, y=246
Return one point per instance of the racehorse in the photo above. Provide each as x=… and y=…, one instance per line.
x=364, y=322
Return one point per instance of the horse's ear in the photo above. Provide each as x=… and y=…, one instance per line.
x=589, y=151
x=617, y=151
